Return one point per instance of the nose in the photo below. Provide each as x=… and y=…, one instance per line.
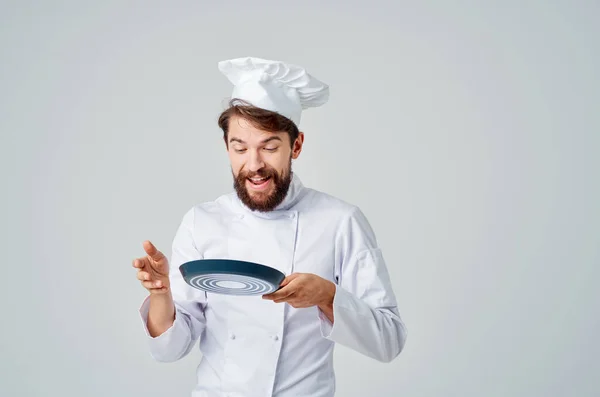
x=255, y=161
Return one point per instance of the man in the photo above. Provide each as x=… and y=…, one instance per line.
x=337, y=288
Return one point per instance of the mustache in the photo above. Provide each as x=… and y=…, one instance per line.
x=263, y=173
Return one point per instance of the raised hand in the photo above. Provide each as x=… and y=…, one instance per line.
x=153, y=270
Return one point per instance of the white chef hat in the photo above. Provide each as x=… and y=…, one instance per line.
x=273, y=85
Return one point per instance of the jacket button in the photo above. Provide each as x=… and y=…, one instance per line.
x=275, y=337
x=232, y=336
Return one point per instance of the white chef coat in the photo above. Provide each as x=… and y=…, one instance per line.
x=253, y=347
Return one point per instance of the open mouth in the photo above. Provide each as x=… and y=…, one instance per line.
x=259, y=181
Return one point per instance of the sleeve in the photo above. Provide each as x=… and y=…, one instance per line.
x=365, y=313
x=177, y=341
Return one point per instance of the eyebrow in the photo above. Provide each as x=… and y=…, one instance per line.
x=273, y=138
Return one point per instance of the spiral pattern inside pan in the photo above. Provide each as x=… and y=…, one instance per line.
x=231, y=284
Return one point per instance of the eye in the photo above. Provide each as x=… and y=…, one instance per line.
x=239, y=150
x=271, y=149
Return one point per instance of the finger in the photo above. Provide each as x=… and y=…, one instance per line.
x=157, y=291
x=280, y=293
x=275, y=294
x=141, y=275
x=152, y=284
x=289, y=278
x=139, y=262
x=288, y=298
x=151, y=250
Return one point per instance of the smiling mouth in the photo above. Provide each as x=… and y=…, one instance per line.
x=259, y=181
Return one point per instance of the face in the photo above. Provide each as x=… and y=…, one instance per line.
x=261, y=163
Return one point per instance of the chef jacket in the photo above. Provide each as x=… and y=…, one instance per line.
x=253, y=347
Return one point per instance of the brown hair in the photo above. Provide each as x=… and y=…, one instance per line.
x=260, y=118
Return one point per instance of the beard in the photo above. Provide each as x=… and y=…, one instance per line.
x=264, y=201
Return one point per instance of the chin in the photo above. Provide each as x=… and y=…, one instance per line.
x=260, y=197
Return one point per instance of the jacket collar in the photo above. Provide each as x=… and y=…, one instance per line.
x=286, y=207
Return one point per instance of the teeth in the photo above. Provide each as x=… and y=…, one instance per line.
x=257, y=179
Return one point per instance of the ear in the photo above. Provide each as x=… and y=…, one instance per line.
x=297, y=147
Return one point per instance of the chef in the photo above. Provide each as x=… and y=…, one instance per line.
x=337, y=289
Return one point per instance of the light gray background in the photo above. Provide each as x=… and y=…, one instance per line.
x=467, y=132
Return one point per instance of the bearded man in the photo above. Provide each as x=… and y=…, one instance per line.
x=337, y=289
